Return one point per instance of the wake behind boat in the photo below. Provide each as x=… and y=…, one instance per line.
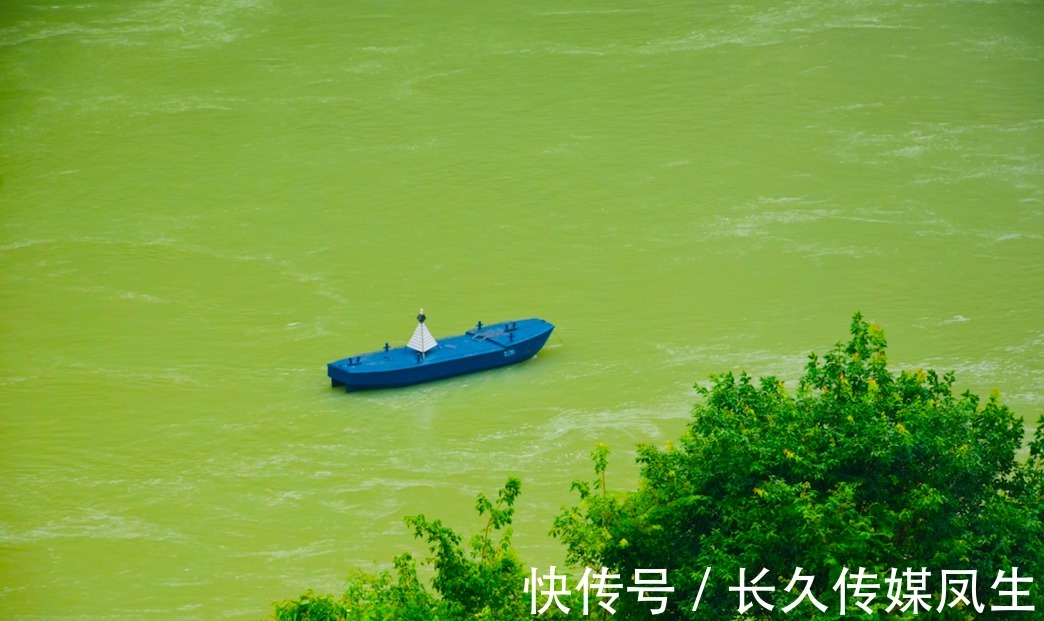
x=424, y=358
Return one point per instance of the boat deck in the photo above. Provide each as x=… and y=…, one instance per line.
x=475, y=342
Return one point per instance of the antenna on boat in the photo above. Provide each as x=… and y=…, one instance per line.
x=422, y=341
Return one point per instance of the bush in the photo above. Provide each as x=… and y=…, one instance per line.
x=860, y=467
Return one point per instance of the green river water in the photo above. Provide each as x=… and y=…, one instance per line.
x=202, y=202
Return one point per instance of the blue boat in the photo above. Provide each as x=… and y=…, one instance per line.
x=424, y=358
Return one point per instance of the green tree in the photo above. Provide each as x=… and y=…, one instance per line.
x=482, y=581
x=859, y=467
x=584, y=529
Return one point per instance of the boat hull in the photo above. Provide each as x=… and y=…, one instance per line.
x=479, y=349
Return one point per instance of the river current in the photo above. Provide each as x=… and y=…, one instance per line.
x=202, y=202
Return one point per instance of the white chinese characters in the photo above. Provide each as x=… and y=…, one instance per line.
x=906, y=591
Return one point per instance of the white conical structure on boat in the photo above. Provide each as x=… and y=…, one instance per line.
x=422, y=340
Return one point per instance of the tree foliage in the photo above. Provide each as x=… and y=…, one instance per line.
x=481, y=581
x=859, y=467
x=584, y=529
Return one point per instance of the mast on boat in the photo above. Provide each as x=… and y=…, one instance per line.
x=422, y=341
